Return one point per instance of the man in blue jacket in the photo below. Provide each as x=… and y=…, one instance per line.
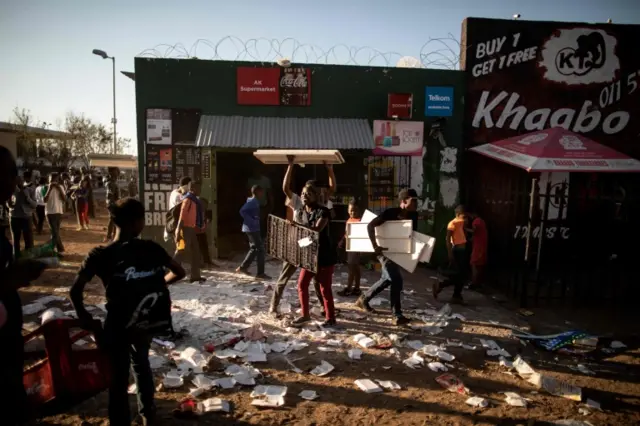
x=250, y=213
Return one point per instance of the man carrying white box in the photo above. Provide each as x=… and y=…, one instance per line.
x=391, y=275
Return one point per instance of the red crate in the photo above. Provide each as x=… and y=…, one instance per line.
x=64, y=374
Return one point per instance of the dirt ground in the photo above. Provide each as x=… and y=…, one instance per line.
x=421, y=401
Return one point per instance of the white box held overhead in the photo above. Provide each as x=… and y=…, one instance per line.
x=302, y=156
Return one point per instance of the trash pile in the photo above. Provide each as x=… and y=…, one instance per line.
x=225, y=334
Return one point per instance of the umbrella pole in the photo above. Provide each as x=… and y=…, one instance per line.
x=545, y=210
x=532, y=196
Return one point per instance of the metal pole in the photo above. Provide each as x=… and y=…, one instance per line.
x=545, y=212
x=532, y=196
x=115, y=120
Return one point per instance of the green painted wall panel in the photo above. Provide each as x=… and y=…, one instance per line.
x=336, y=91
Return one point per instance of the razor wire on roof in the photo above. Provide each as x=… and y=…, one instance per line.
x=441, y=53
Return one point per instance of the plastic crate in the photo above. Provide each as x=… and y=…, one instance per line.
x=282, y=243
x=65, y=374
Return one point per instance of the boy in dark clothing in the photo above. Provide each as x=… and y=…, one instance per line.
x=138, y=306
x=13, y=275
x=113, y=195
x=391, y=275
x=251, y=223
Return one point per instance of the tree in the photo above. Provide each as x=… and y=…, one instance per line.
x=27, y=140
x=89, y=137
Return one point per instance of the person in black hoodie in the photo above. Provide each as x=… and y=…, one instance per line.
x=13, y=275
x=134, y=275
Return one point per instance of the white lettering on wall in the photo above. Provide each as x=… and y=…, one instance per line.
x=588, y=118
x=156, y=205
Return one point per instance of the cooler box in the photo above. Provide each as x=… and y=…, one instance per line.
x=68, y=373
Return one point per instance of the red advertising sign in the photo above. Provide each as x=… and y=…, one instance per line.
x=399, y=105
x=295, y=86
x=274, y=86
x=258, y=86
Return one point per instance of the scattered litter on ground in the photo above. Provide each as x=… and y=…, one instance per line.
x=515, y=400
x=452, y=384
x=268, y=396
x=309, y=395
x=323, y=369
x=212, y=405
x=368, y=386
x=476, y=401
x=616, y=344
x=437, y=366
x=363, y=340
x=354, y=353
x=388, y=384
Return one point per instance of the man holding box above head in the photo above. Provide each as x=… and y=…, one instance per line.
x=391, y=275
x=294, y=202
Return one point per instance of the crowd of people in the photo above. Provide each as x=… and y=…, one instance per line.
x=136, y=272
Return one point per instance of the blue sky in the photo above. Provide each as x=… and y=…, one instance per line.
x=45, y=45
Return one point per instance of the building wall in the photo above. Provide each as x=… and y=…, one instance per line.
x=336, y=91
x=524, y=76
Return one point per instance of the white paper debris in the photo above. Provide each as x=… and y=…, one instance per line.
x=212, y=405
x=515, y=400
x=414, y=361
x=200, y=381
x=364, y=341
x=279, y=347
x=256, y=357
x=354, y=353
x=224, y=382
x=437, y=366
x=309, y=395
x=498, y=352
x=506, y=363
x=416, y=345
x=469, y=347
x=171, y=382
x=476, y=401
x=388, y=384
x=323, y=369
x=616, y=344
x=368, y=386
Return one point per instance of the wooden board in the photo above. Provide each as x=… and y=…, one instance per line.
x=390, y=229
x=393, y=245
x=302, y=156
x=408, y=262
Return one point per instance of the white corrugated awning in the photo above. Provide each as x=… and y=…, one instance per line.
x=284, y=133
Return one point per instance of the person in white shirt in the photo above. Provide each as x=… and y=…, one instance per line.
x=177, y=194
x=41, y=189
x=54, y=208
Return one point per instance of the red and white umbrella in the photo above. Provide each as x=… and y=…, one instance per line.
x=558, y=150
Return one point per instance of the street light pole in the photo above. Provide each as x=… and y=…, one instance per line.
x=114, y=120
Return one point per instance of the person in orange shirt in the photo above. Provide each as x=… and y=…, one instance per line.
x=191, y=219
x=457, y=249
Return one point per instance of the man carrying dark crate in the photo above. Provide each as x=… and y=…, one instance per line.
x=294, y=203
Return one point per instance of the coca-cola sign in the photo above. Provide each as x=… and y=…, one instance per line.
x=274, y=86
x=295, y=86
x=399, y=105
x=524, y=76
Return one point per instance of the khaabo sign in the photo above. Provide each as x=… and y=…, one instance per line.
x=525, y=76
x=274, y=86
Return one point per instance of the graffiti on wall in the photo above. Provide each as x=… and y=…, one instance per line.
x=156, y=203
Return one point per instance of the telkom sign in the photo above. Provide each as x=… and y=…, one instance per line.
x=438, y=101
